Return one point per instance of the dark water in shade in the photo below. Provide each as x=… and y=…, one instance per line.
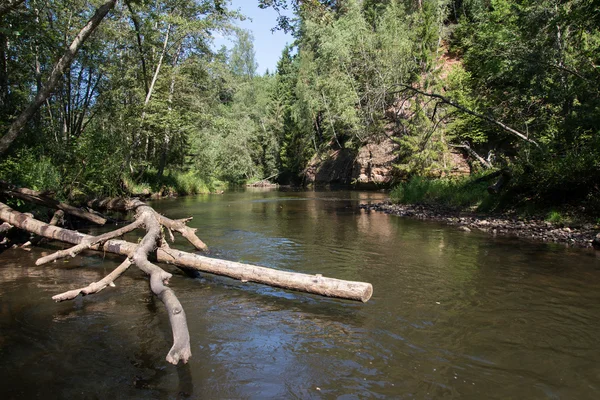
x=453, y=315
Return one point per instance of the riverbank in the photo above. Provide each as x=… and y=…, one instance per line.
x=584, y=235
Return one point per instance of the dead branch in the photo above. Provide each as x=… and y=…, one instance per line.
x=36, y=197
x=73, y=251
x=153, y=243
x=184, y=230
x=95, y=287
x=454, y=104
x=158, y=280
x=120, y=204
x=316, y=284
x=465, y=146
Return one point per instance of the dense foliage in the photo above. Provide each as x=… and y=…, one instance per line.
x=147, y=104
x=505, y=84
x=147, y=99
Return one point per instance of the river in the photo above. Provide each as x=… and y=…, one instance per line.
x=453, y=314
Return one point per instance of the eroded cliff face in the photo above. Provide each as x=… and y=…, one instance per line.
x=373, y=164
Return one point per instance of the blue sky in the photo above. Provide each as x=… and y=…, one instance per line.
x=267, y=45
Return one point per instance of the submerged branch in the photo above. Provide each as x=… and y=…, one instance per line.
x=94, y=287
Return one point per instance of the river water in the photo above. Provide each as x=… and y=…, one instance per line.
x=453, y=314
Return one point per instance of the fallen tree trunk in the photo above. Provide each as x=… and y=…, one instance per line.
x=316, y=284
x=36, y=197
x=153, y=243
x=57, y=219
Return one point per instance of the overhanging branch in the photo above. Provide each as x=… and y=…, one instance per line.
x=462, y=108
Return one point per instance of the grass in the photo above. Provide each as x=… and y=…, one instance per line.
x=461, y=193
x=555, y=217
x=171, y=183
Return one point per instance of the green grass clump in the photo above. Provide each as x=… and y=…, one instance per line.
x=451, y=192
x=171, y=183
x=555, y=217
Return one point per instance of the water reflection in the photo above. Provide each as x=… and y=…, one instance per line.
x=452, y=315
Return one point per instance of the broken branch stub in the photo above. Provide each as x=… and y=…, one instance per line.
x=125, y=205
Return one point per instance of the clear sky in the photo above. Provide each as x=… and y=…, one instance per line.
x=267, y=45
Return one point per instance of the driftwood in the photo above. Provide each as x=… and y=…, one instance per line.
x=57, y=220
x=153, y=245
x=95, y=287
x=36, y=197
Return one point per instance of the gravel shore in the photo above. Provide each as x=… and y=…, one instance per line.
x=577, y=235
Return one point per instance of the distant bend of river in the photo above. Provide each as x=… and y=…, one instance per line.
x=453, y=314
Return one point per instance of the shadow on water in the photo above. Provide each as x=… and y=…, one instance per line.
x=452, y=315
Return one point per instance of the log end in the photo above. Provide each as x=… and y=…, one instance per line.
x=176, y=355
x=367, y=293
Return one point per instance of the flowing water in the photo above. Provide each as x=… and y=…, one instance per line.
x=453, y=315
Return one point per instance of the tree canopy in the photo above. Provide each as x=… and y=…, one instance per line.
x=148, y=99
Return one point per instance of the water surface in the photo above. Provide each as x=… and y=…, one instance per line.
x=453, y=314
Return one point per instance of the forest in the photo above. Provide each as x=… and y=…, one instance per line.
x=129, y=97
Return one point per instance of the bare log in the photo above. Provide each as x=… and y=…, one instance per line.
x=95, y=287
x=86, y=244
x=316, y=284
x=121, y=204
x=158, y=279
x=43, y=200
x=57, y=219
x=139, y=255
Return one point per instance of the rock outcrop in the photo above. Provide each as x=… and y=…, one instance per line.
x=373, y=164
